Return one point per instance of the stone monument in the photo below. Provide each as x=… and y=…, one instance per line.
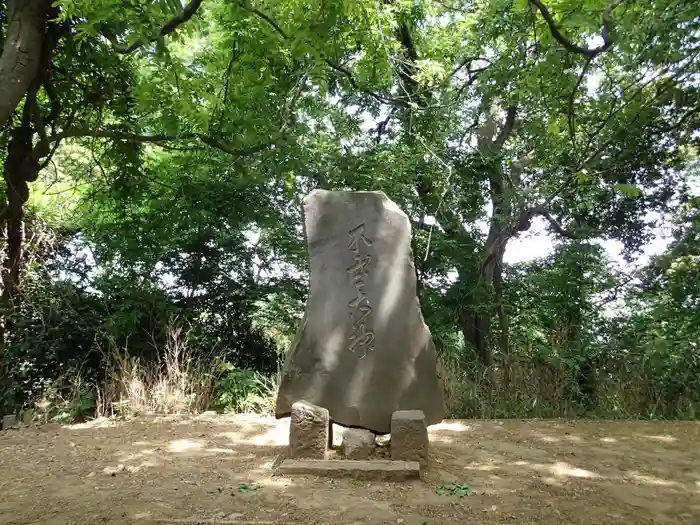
x=363, y=350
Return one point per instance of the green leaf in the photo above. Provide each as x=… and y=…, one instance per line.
x=248, y=487
x=460, y=490
x=628, y=190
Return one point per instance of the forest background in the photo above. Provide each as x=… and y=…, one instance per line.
x=155, y=154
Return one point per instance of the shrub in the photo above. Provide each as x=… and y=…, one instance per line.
x=245, y=391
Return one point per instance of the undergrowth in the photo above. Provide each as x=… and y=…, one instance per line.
x=245, y=391
x=183, y=381
x=186, y=380
x=533, y=389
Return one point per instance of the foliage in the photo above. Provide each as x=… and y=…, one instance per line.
x=248, y=487
x=454, y=489
x=660, y=328
x=155, y=155
x=244, y=391
x=68, y=400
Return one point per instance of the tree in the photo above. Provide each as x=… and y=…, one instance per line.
x=493, y=104
x=55, y=82
x=49, y=69
x=192, y=131
x=557, y=306
x=658, y=325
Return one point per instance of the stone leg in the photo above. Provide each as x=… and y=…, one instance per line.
x=8, y=421
x=308, y=431
x=409, y=436
x=330, y=434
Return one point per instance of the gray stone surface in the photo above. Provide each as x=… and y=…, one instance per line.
x=358, y=443
x=372, y=470
x=9, y=421
x=363, y=349
x=308, y=431
x=409, y=436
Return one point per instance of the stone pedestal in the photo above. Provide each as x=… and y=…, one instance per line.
x=339, y=468
x=308, y=431
x=409, y=436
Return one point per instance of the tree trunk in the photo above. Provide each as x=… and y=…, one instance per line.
x=20, y=169
x=500, y=307
x=21, y=52
x=25, y=54
x=490, y=141
x=476, y=327
x=24, y=64
x=476, y=322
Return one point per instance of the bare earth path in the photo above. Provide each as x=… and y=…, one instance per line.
x=180, y=470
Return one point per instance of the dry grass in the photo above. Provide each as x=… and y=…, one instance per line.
x=179, y=383
x=183, y=380
x=520, y=388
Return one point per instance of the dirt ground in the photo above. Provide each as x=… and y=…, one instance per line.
x=217, y=469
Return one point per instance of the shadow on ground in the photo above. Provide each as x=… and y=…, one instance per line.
x=185, y=470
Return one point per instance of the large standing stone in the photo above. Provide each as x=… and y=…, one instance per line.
x=363, y=350
x=308, y=431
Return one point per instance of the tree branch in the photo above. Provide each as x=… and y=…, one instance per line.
x=679, y=122
x=47, y=83
x=20, y=56
x=555, y=225
x=351, y=80
x=468, y=62
x=663, y=88
x=161, y=139
x=336, y=67
x=171, y=25
x=507, y=128
x=606, y=33
x=572, y=99
x=266, y=18
x=618, y=287
x=522, y=224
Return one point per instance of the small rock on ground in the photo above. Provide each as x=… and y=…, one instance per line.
x=358, y=443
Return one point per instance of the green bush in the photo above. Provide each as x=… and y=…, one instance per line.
x=244, y=391
x=68, y=400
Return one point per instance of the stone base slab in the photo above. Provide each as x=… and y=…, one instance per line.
x=385, y=470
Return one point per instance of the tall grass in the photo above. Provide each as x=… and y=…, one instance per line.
x=520, y=388
x=181, y=381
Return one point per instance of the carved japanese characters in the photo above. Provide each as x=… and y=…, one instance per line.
x=361, y=337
